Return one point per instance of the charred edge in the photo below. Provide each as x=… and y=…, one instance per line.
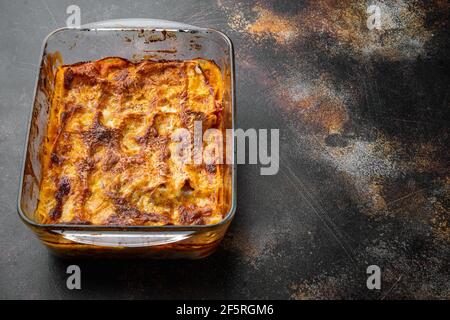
x=171, y=51
x=126, y=62
x=62, y=191
x=66, y=115
x=111, y=160
x=78, y=221
x=126, y=214
x=188, y=117
x=68, y=78
x=195, y=46
x=100, y=135
x=206, y=76
x=123, y=81
x=155, y=38
x=86, y=72
x=193, y=216
x=120, y=164
x=86, y=165
x=210, y=168
x=187, y=187
x=150, y=134
x=56, y=159
x=122, y=75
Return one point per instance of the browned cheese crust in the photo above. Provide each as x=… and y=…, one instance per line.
x=107, y=155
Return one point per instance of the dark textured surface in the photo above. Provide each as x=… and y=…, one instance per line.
x=364, y=178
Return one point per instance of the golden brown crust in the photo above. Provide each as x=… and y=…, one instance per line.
x=107, y=156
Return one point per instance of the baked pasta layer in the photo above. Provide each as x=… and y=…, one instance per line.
x=107, y=156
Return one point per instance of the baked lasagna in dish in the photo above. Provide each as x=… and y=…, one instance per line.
x=106, y=158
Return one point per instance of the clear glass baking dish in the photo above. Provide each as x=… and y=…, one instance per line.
x=133, y=39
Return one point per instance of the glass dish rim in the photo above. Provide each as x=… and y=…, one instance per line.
x=78, y=227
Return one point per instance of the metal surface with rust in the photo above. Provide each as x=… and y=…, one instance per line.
x=364, y=163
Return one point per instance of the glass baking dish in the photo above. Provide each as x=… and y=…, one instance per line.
x=133, y=39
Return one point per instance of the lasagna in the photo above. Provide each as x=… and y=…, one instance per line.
x=107, y=156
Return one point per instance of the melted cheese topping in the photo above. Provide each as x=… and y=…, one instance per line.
x=107, y=157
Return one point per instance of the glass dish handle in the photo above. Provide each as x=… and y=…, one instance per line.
x=140, y=23
x=124, y=239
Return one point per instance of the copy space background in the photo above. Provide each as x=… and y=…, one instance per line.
x=364, y=133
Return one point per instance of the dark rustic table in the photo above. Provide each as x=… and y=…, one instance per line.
x=364, y=163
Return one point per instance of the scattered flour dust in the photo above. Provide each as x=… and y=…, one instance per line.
x=317, y=102
x=283, y=30
x=361, y=159
x=403, y=33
